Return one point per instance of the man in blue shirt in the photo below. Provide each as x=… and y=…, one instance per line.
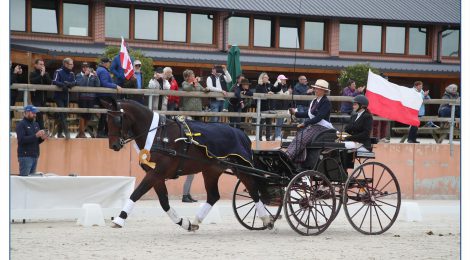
x=29, y=137
x=65, y=80
x=105, y=81
x=138, y=75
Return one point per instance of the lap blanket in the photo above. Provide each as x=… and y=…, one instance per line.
x=221, y=140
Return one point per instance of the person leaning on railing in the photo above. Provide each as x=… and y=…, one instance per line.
x=450, y=93
x=64, y=79
x=87, y=78
x=105, y=81
x=191, y=83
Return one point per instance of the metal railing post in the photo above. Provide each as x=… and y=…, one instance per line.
x=451, y=130
x=25, y=97
x=258, y=121
x=150, y=102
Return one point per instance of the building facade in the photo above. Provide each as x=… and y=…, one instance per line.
x=406, y=40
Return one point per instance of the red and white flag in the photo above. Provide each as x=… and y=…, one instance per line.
x=392, y=101
x=126, y=62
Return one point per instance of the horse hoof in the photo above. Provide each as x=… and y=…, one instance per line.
x=194, y=227
x=114, y=225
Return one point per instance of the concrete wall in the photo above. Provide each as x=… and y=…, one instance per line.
x=424, y=171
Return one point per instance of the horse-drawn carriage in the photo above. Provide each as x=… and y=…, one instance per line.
x=311, y=193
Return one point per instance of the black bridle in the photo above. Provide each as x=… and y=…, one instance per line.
x=118, y=119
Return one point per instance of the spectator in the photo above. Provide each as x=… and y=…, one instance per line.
x=218, y=82
x=239, y=104
x=413, y=133
x=15, y=77
x=105, y=81
x=159, y=103
x=38, y=97
x=282, y=88
x=191, y=83
x=446, y=109
x=64, y=79
x=173, y=101
x=187, y=188
x=265, y=87
x=29, y=137
x=87, y=78
x=118, y=71
x=302, y=88
x=350, y=91
x=139, y=77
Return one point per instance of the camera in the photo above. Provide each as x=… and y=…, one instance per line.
x=219, y=69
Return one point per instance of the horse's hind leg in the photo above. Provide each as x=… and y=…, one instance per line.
x=253, y=189
x=211, y=180
x=147, y=183
x=162, y=192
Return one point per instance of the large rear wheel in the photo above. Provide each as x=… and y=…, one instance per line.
x=372, y=198
x=309, y=203
x=245, y=210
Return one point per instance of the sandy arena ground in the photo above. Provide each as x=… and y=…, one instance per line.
x=148, y=235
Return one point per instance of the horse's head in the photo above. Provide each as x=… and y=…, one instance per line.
x=119, y=124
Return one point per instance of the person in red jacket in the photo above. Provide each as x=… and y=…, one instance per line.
x=173, y=101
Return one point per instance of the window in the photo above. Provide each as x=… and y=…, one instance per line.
x=417, y=41
x=174, y=27
x=450, y=43
x=371, y=38
x=44, y=16
x=289, y=33
x=116, y=22
x=18, y=15
x=395, y=40
x=201, y=29
x=238, y=30
x=314, y=36
x=146, y=24
x=263, y=32
x=348, y=37
x=75, y=19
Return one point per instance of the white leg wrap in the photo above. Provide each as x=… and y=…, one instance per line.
x=186, y=225
x=173, y=216
x=129, y=206
x=203, y=211
x=260, y=209
x=119, y=221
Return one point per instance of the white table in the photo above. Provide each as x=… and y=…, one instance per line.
x=62, y=197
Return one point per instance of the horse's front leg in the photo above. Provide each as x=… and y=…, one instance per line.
x=211, y=179
x=162, y=192
x=253, y=189
x=147, y=183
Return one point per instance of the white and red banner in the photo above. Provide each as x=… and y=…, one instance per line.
x=392, y=101
x=126, y=62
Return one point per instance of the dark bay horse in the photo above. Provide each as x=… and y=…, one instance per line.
x=129, y=120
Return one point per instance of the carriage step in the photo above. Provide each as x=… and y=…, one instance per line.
x=365, y=154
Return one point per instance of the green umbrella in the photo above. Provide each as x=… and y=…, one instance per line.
x=233, y=64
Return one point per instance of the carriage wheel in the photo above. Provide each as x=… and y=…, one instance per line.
x=327, y=166
x=372, y=198
x=245, y=210
x=309, y=203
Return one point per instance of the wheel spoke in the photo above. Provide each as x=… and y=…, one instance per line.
x=254, y=219
x=386, y=185
x=370, y=219
x=363, y=205
x=385, y=195
x=243, y=195
x=245, y=204
x=316, y=221
x=300, y=219
x=386, y=203
x=384, y=213
x=243, y=219
x=362, y=222
x=378, y=218
x=377, y=185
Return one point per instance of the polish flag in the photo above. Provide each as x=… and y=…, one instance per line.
x=126, y=62
x=392, y=101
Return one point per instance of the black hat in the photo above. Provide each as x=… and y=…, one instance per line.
x=245, y=82
x=104, y=60
x=159, y=70
x=361, y=99
x=85, y=65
